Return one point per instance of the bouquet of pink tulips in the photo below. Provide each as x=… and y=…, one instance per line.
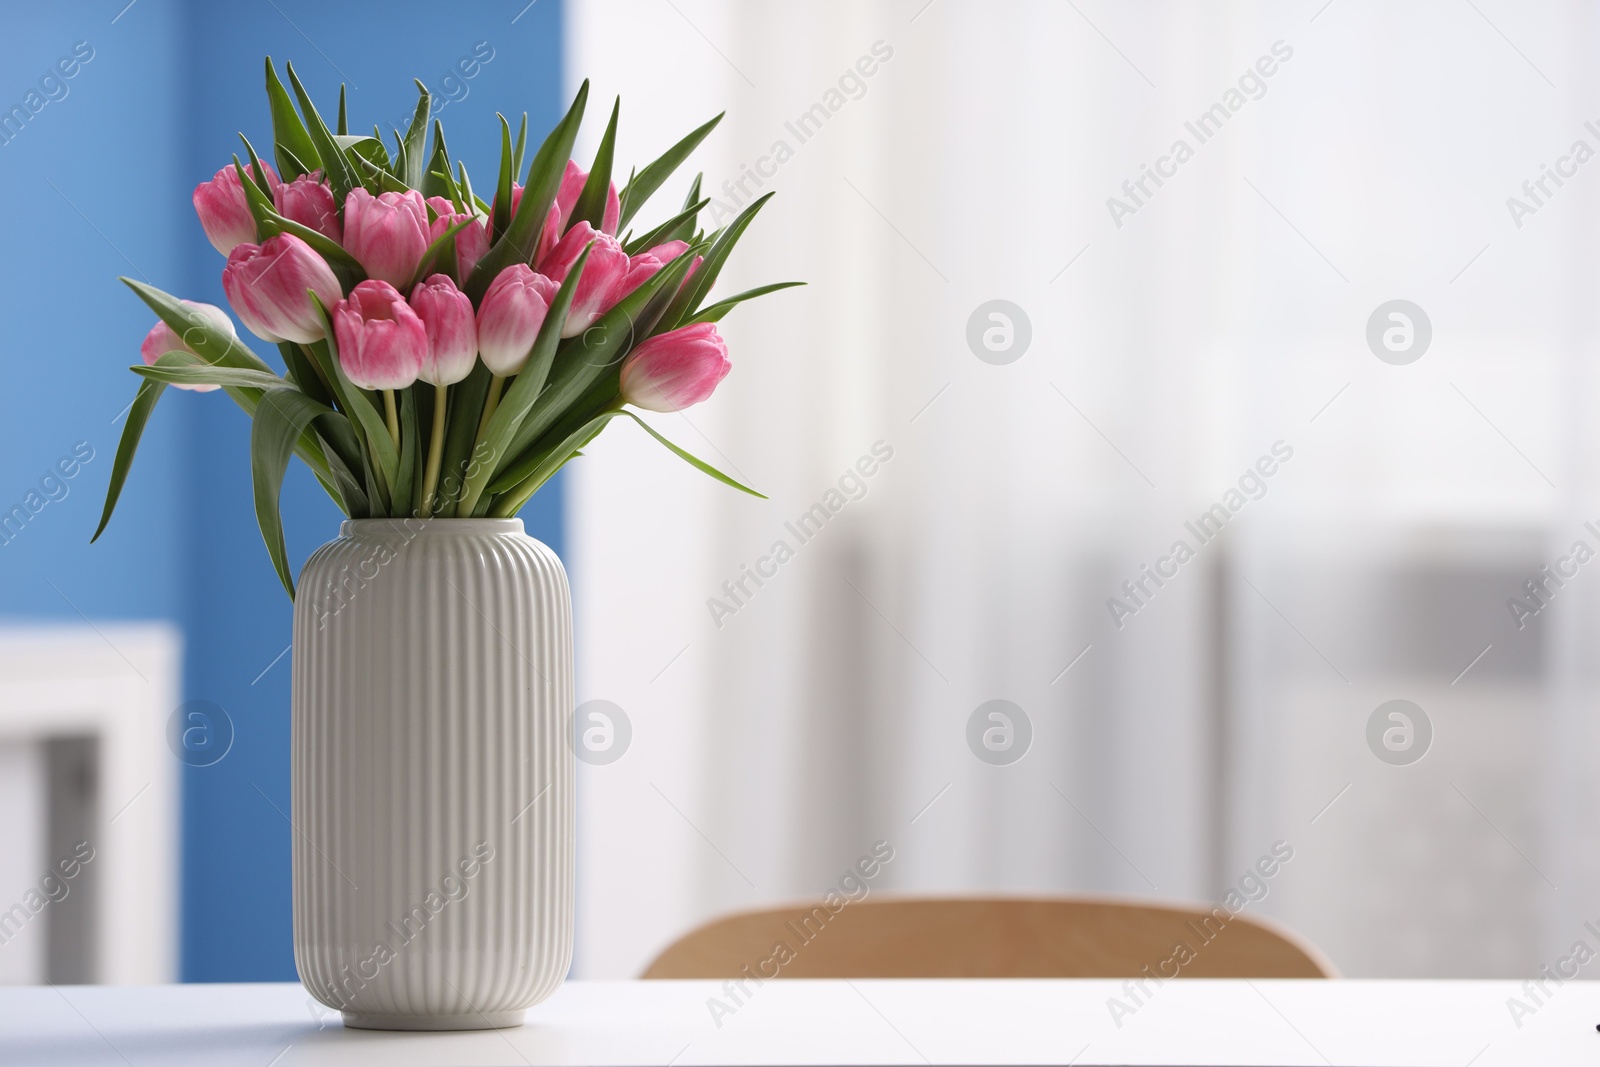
x=443, y=357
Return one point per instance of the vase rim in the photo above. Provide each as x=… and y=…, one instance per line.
x=422, y=527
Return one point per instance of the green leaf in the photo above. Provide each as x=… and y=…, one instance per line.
x=303, y=373
x=259, y=203
x=704, y=278
x=349, y=471
x=415, y=149
x=596, y=353
x=292, y=145
x=500, y=216
x=686, y=230
x=464, y=186
x=260, y=173
x=715, y=312
x=517, y=495
x=342, y=126
x=203, y=374
x=341, y=261
x=295, y=161
x=144, y=402
x=698, y=464
x=217, y=347
x=522, y=143
x=520, y=241
x=591, y=204
x=406, y=482
x=466, y=410
x=493, y=445
x=370, y=161
x=436, y=180
x=360, y=147
x=664, y=233
x=283, y=415
x=401, y=166
x=652, y=177
x=335, y=166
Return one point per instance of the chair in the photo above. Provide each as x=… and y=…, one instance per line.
x=990, y=938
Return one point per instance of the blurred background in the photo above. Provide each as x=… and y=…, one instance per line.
x=1301, y=287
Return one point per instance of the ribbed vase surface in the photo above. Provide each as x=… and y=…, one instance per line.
x=433, y=783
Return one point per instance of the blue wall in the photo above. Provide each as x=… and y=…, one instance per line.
x=156, y=111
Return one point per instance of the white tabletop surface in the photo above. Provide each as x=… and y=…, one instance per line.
x=1192, y=1021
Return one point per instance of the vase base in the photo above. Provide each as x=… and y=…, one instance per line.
x=493, y=1020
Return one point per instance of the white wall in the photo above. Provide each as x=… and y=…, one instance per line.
x=1173, y=351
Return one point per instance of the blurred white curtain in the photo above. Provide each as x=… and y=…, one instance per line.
x=1172, y=348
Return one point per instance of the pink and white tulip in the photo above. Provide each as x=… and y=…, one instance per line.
x=600, y=286
x=673, y=370
x=387, y=233
x=382, y=342
x=642, y=267
x=560, y=217
x=471, y=242
x=447, y=315
x=309, y=201
x=224, y=214
x=163, y=338
x=513, y=309
x=267, y=285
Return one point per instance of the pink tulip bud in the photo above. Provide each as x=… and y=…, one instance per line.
x=452, y=333
x=267, y=284
x=382, y=342
x=560, y=217
x=386, y=233
x=673, y=370
x=471, y=243
x=309, y=201
x=604, y=271
x=510, y=315
x=163, y=338
x=550, y=234
x=572, y=183
x=224, y=214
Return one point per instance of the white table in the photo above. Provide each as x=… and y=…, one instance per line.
x=834, y=1022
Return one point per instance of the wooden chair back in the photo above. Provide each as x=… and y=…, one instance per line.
x=990, y=938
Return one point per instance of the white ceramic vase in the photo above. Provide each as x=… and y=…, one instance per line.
x=433, y=783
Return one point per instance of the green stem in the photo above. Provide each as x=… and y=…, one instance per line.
x=430, y=478
x=392, y=417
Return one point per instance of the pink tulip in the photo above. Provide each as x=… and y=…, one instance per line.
x=644, y=265
x=386, y=233
x=510, y=315
x=673, y=370
x=267, y=283
x=572, y=183
x=550, y=235
x=471, y=243
x=604, y=271
x=224, y=214
x=452, y=334
x=163, y=338
x=309, y=201
x=382, y=342
x=560, y=216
